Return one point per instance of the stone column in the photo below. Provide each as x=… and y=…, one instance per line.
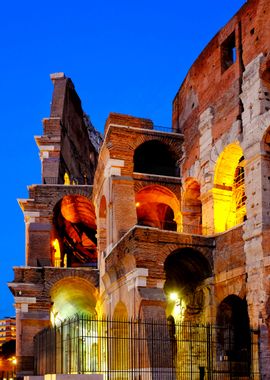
x=256, y=121
x=123, y=206
x=205, y=128
x=31, y=318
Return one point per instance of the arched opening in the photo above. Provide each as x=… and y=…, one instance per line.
x=186, y=270
x=119, y=344
x=74, y=312
x=157, y=207
x=192, y=208
x=234, y=341
x=154, y=157
x=74, y=235
x=71, y=296
x=229, y=189
x=120, y=312
x=102, y=233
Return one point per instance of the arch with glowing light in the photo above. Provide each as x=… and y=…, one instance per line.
x=120, y=351
x=74, y=233
x=186, y=271
x=229, y=189
x=158, y=207
x=71, y=296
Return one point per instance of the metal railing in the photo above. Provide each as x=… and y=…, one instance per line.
x=144, y=350
x=50, y=180
x=163, y=129
x=171, y=225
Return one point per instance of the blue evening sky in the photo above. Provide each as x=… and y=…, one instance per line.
x=123, y=56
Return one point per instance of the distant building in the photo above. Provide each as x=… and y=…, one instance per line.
x=7, y=330
x=171, y=225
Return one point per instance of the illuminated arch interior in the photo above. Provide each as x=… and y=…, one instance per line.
x=186, y=270
x=120, y=352
x=72, y=296
x=154, y=157
x=120, y=311
x=157, y=207
x=192, y=207
x=75, y=232
x=229, y=189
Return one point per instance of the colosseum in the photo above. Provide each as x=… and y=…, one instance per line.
x=148, y=250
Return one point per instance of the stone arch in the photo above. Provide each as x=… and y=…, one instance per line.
x=155, y=157
x=157, y=206
x=72, y=295
x=119, y=350
x=192, y=207
x=120, y=311
x=229, y=188
x=76, y=190
x=74, y=232
x=186, y=272
x=173, y=145
x=234, y=335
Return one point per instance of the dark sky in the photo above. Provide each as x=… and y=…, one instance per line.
x=123, y=56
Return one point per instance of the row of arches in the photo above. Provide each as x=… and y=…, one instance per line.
x=188, y=275
x=227, y=193
x=74, y=234
x=228, y=189
x=187, y=272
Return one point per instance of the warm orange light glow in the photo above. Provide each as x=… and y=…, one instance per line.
x=66, y=179
x=14, y=360
x=72, y=296
x=174, y=296
x=157, y=207
x=228, y=191
x=57, y=253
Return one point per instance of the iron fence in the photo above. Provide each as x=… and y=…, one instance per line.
x=144, y=350
x=171, y=225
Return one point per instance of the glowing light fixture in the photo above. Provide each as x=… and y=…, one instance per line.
x=57, y=253
x=174, y=296
x=66, y=179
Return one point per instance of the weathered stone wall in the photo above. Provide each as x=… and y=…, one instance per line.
x=66, y=145
x=224, y=101
x=227, y=103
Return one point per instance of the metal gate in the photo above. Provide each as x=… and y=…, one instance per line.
x=146, y=350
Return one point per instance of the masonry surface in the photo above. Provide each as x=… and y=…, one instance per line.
x=121, y=221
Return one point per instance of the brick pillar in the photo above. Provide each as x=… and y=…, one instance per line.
x=158, y=358
x=256, y=120
x=38, y=241
x=205, y=128
x=31, y=318
x=257, y=248
x=123, y=210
